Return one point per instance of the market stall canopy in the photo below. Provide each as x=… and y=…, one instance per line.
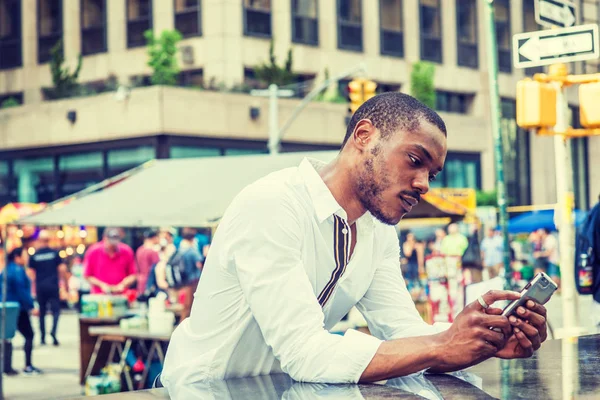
x=435, y=205
x=534, y=220
x=176, y=192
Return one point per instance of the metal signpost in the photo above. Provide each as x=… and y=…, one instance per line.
x=555, y=13
x=273, y=93
x=564, y=43
x=534, y=49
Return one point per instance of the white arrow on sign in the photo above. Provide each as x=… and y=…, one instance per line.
x=555, y=13
x=534, y=49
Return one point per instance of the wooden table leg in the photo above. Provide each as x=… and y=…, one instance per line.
x=90, y=366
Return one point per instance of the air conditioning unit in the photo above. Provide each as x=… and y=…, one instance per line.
x=187, y=55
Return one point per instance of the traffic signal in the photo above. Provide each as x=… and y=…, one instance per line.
x=536, y=104
x=359, y=91
x=589, y=111
x=355, y=94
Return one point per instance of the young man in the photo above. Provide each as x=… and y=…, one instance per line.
x=110, y=264
x=146, y=257
x=49, y=269
x=491, y=252
x=296, y=250
x=18, y=289
x=548, y=256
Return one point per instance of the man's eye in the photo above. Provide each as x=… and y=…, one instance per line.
x=432, y=178
x=416, y=162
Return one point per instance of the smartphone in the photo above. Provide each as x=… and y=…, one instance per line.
x=540, y=289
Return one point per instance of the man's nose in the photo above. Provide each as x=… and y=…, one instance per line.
x=421, y=183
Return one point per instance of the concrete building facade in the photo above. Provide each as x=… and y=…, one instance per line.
x=51, y=148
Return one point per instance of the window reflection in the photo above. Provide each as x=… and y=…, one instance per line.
x=34, y=180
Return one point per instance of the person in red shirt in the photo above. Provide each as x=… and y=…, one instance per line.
x=146, y=257
x=110, y=264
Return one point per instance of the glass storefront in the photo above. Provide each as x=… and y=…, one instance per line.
x=193, y=152
x=4, y=184
x=34, y=180
x=121, y=160
x=78, y=171
x=515, y=144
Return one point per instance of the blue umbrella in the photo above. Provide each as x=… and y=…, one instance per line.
x=534, y=220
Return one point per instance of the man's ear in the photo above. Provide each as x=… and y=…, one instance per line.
x=363, y=134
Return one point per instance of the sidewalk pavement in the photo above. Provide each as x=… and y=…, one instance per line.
x=60, y=365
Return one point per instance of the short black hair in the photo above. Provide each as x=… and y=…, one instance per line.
x=150, y=233
x=14, y=253
x=392, y=111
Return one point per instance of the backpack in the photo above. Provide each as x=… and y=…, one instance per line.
x=585, y=258
x=178, y=272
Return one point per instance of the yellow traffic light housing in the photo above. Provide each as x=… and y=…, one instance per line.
x=355, y=94
x=589, y=105
x=369, y=90
x=536, y=104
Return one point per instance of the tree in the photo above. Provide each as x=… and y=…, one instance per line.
x=488, y=198
x=421, y=83
x=10, y=102
x=65, y=82
x=270, y=72
x=162, y=56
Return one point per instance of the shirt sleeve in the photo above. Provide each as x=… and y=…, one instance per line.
x=265, y=238
x=387, y=305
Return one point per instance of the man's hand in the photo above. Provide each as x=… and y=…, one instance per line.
x=469, y=340
x=529, y=330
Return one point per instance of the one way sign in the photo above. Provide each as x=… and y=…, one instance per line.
x=534, y=49
x=555, y=13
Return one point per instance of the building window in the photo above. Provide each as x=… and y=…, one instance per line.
x=257, y=18
x=503, y=36
x=580, y=161
x=34, y=180
x=194, y=152
x=515, y=144
x=453, y=102
x=431, y=30
x=245, y=152
x=139, y=20
x=4, y=183
x=50, y=27
x=466, y=28
x=121, y=160
x=305, y=22
x=530, y=25
x=188, y=17
x=461, y=170
x=391, y=34
x=191, y=78
x=350, y=31
x=93, y=27
x=79, y=171
x=11, y=99
x=11, y=55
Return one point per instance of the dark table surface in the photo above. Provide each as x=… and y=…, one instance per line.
x=561, y=369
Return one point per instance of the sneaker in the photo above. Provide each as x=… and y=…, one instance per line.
x=31, y=370
x=55, y=341
x=11, y=372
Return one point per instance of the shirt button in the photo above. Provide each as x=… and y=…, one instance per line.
x=345, y=231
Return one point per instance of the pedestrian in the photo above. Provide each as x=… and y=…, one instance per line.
x=110, y=264
x=492, y=247
x=413, y=259
x=455, y=243
x=146, y=256
x=49, y=271
x=297, y=249
x=548, y=257
x=192, y=261
x=18, y=290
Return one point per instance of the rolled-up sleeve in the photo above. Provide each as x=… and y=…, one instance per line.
x=265, y=252
x=387, y=305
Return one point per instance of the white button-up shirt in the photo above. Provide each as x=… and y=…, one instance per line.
x=277, y=279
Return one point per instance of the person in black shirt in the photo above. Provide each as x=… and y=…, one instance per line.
x=48, y=266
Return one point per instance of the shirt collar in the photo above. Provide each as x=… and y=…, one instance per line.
x=325, y=204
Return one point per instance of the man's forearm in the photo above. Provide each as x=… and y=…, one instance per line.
x=403, y=357
x=95, y=281
x=128, y=281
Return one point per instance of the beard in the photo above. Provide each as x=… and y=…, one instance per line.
x=369, y=189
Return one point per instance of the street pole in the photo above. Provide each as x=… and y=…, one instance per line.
x=492, y=53
x=273, y=144
x=565, y=203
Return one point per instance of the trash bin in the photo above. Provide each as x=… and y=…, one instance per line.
x=12, y=315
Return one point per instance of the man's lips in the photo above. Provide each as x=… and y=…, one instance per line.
x=408, y=202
